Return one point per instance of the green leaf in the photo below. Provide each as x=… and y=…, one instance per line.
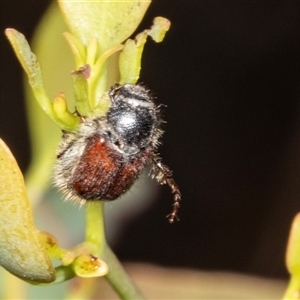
x=21, y=251
x=33, y=70
x=57, y=65
x=293, y=260
x=293, y=249
x=110, y=22
x=30, y=65
x=130, y=59
x=131, y=56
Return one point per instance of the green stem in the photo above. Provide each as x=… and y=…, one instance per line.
x=95, y=234
x=117, y=277
x=63, y=273
x=95, y=231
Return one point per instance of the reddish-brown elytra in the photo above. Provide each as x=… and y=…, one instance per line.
x=104, y=157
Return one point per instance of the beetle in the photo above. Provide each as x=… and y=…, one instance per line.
x=104, y=157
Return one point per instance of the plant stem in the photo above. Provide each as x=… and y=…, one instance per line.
x=95, y=231
x=117, y=277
